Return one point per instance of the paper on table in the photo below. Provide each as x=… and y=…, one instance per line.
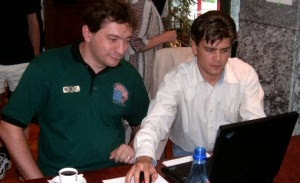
x=180, y=160
x=160, y=179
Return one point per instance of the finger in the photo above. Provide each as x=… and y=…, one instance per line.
x=127, y=159
x=131, y=161
x=137, y=175
x=124, y=153
x=147, y=176
x=116, y=158
x=129, y=174
x=124, y=156
x=154, y=174
x=120, y=153
x=112, y=155
x=127, y=154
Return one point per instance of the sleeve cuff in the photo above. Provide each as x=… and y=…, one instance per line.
x=154, y=162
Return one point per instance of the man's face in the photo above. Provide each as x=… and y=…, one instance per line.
x=109, y=45
x=212, y=58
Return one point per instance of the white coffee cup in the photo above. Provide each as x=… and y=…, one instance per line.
x=69, y=175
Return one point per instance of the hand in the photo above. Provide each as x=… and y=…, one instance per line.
x=170, y=36
x=143, y=163
x=124, y=154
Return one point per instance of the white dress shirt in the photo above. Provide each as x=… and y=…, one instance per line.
x=194, y=110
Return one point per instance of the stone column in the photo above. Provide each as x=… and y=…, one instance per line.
x=269, y=40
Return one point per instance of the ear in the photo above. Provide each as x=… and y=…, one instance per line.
x=86, y=33
x=194, y=48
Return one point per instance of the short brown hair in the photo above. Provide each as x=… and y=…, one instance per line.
x=212, y=26
x=100, y=11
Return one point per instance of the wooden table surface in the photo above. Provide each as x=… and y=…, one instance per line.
x=288, y=173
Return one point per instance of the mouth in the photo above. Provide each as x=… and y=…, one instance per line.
x=116, y=59
x=216, y=66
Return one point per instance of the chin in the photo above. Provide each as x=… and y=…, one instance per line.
x=115, y=64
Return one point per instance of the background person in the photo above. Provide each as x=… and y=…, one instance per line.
x=81, y=94
x=147, y=38
x=22, y=44
x=197, y=97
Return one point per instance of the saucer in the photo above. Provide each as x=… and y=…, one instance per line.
x=81, y=180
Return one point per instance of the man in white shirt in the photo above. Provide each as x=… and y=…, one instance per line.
x=197, y=97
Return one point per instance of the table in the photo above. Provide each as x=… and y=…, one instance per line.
x=288, y=173
x=290, y=168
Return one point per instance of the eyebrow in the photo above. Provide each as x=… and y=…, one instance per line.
x=210, y=47
x=118, y=37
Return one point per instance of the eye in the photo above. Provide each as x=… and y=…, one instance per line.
x=225, y=50
x=210, y=50
x=113, y=40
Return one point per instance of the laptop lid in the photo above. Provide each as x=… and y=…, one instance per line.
x=248, y=151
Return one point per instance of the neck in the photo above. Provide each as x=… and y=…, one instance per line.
x=211, y=79
x=89, y=59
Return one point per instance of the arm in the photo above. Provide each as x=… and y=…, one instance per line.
x=125, y=153
x=140, y=46
x=252, y=106
x=14, y=139
x=165, y=37
x=133, y=133
x=34, y=32
x=144, y=163
x=138, y=105
x=143, y=39
x=155, y=127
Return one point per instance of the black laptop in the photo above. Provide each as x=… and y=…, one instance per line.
x=245, y=152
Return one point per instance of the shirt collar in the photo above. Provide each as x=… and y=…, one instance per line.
x=229, y=75
x=76, y=53
x=78, y=58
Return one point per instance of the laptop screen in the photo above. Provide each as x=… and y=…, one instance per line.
x=249, y=151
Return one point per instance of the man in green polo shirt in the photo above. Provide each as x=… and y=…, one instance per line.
x=81, y=94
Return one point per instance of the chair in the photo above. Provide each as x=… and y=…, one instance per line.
x=165, y=60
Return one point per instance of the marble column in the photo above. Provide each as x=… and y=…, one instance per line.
x=269, y=40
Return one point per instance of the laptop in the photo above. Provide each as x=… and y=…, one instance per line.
x=245, y=152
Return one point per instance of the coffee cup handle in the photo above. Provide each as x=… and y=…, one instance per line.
x=79, y=176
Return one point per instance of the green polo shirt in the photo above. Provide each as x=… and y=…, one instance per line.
x=80, y=112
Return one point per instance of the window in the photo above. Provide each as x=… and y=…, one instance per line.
x=203, y=6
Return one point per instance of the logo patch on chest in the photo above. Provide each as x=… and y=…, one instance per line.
x=71, y=89
x=120, y=94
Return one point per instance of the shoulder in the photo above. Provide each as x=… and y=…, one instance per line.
x=126, y=66
x=187, y=68
x=55, y=54
x=53, y=59
x=186, y=71
x=240, y=70
x=238, y=66
x=126, y=71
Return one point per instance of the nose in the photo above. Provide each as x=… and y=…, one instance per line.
x=122, y=47
x=217, y=56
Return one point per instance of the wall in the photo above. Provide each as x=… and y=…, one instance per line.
x=62, y=21
x=269, y=40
